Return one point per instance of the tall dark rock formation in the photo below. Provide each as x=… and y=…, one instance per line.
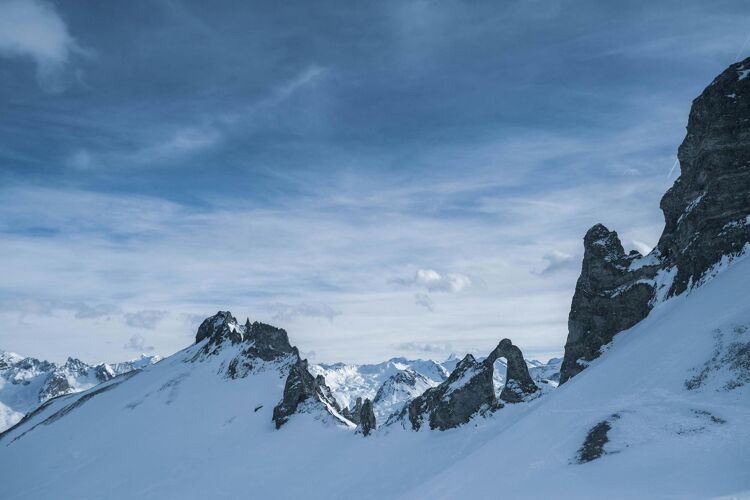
x=366, y=419
x=707, y=217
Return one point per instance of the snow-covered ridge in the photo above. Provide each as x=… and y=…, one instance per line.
x=25, y=383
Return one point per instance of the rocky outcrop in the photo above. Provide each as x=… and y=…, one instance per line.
x=470, y=389
x=366, y=420
x=258, y=343
x=303, y=393
x=609, y=298
x=706, y=210
x=259, y=346
x=707, y=218
x=518, y=382
x=354, y=412
x=219, y=328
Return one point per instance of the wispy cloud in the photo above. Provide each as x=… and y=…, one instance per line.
x=288, y=312
x=424, y=300
x=147, y=319
x=556, y=261
x=137, y=343
x=34, y=29
x=431, y=349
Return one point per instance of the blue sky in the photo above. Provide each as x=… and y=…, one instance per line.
x=379, y=178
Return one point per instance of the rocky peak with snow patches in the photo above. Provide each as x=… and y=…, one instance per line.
x=218, y=328
x=304, y=393
x=707, y=220
x=470, y=390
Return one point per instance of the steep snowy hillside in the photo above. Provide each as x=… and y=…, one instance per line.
x=27, y=382
x=672, y=390
x=666, y=407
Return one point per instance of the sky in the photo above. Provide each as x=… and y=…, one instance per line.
x=378, y=178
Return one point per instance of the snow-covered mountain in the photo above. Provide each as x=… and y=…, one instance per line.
x=25, y=383
x=671, y=394
x=653, y=401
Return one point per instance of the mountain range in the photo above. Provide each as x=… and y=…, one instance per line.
x=652, y=400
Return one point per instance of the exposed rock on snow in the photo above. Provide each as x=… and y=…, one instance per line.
x=366, y=420
x=470, y=389
x=593, y=446
x=705, y=212
x=354, y=412
x=518, y=383
x=728, y=366
x=609, y=297
x=305, y=393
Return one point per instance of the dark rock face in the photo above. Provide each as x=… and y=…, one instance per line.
x=469, y=389
x=103, y=373
x=609, y=298
x=56, y=385
x=366, y=420
x=302, y=388
x=257, y=341
x=706, y=215
x=354, y=412
x=518, y=382
x=218, y=328
x=268, y=342
x=707, y=207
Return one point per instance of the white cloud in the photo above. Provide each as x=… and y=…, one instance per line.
x=433, y=281
x=138, y=344
x=34, y=29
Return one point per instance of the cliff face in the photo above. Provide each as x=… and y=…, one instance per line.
x=707, y=217
x=706, y=209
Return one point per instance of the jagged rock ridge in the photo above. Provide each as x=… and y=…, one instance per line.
x=259, y=346
x=707, y=219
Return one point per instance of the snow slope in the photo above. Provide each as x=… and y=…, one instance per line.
x=667, y=441
x=179, y=429
x=25, y=383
